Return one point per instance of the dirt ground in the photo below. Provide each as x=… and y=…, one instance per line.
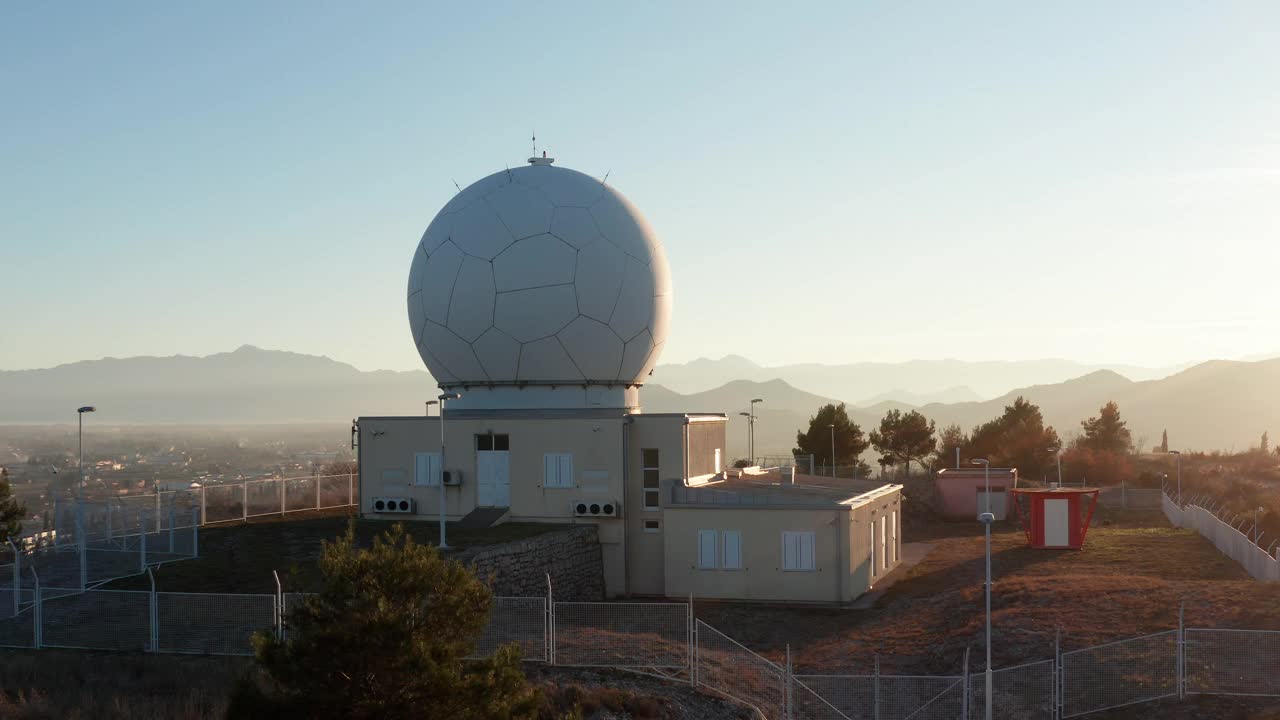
x=1129, y=580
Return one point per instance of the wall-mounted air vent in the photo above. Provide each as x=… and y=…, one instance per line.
x=393, y=505
x=596, y=508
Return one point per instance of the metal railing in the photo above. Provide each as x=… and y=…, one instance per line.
x=1230, y=541
x=664, y=639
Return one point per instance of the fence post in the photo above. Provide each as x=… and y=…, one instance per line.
x=551, y=624
x=1057, y=673
x=351, y=487
x=39, y=618
x=786, y=684
x=153, y=609
x=17, y=577
x=964, y=691
x=108, y=519
x=1182, y=653
x=202, y=506
x=317, y=492
x=689, y=634
x=244, y=501
x=282, y=493
x=142, y=536
x=157, y=511
x=279, y=607
x=171, y=529
x=875, y=695
x=195, y=534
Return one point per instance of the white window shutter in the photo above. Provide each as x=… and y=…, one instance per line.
x=706, y=549
x=732, y=550
x=806, y=551
x=426, y=469
x=550, y=469
x=565, y=473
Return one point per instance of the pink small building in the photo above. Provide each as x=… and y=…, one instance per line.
x=961, y=492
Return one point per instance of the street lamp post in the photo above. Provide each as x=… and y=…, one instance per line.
x=987, y=518
x=1058, y=452
x=833, y=449
x=1178, y=453
x=447, y=396
x=80, y=418
x=750, y=461
x=751, y=430
x=986, y=471
x=428, y=406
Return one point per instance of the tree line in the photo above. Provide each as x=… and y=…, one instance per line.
x=1017, y=438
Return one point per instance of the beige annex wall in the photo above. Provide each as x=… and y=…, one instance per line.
x=762, y=576
x=387, y=468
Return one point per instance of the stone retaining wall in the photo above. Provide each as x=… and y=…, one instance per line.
x=520, y=568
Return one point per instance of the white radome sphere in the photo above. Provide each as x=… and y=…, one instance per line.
x=539, y=275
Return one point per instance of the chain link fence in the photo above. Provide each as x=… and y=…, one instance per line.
x=1019, y=692
x=230, y=502
x=1120, y=673
x=726, y=666
x=1232, y=662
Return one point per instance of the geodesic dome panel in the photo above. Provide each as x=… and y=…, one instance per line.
x=539, y=275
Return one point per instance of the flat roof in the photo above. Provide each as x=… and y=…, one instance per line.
x=769, y=490
x=550, y=414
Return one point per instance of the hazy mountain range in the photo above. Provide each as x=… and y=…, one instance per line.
x=917, y=382
x=1216, y=404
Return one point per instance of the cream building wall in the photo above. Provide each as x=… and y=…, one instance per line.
x=607, y=450
x=855, y=544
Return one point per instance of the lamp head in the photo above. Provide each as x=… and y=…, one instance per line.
x=980, y=461
x=87, y=408
x=745, y=414
x=450, y=396
x=986, y=518
x=758, y=400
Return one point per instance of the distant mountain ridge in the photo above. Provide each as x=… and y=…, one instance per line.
x=1219, y=404
x=913, y=382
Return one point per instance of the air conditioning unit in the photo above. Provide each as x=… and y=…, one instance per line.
x=453, y=477
x=393, y=505
x=596, y=508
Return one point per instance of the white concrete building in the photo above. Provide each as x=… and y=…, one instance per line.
x=541, y=298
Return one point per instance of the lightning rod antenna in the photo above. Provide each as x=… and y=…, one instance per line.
x=455, y=184
x=534, y=139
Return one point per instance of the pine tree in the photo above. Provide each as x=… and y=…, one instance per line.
x=817, y=439
x=1266, y=443
x=387, y=637
x=11, y=511
x=1164, y=441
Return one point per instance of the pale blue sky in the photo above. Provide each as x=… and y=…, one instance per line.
x=833, y=182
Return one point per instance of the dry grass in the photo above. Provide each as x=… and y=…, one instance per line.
x=240, y=557
x=1129, y=580
x=107, y=686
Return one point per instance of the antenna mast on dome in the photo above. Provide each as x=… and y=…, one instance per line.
x=535, y=159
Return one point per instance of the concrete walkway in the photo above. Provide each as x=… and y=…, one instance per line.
x=912, y=554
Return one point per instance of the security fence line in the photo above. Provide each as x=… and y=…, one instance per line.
x=1201, y=514
x=207, y=504
x=667, y=641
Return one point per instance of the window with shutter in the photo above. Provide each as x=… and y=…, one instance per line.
x=706, y=549
x=426, y=469
x=798, y=551
x=732, y=550
x=557, y=470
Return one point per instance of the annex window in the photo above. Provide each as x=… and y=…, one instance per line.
x=489, y=443
x=426, y=469
x=706, y=549
x=873, y=548
x=732, y=550
x=650, y=478
x=557, y=470
x=797, y=551
x=652, y=526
